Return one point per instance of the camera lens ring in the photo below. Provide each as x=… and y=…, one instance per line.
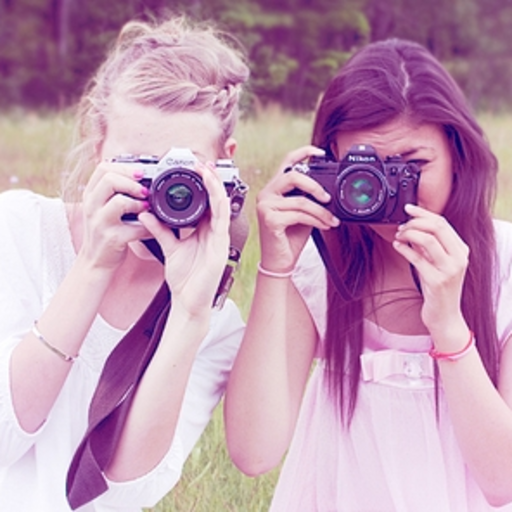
x=178, y=197
x=361, y=190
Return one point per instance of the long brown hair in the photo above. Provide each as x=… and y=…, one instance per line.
x=384, y=81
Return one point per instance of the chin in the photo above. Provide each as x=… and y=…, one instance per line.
x=385, y=231
x=141, y=251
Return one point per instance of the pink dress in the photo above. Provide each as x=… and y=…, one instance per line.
x=396, y=456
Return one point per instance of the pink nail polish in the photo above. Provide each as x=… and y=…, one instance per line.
x=138, y=174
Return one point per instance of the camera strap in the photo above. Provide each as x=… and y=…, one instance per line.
x=112, y=399
x=122, y=373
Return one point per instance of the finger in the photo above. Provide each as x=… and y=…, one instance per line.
x=425, y=243
x=296, y=184
x=276, y=202
x=296, y=210
x=133, y=172
x=415, y=258
x=113, y=184
x=158, y=230
x=300, y=154
x=116, y=208
x=438, y=226
x=220, y=209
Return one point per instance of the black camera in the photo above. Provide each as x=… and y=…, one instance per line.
x=177, y=195
x=363, y=187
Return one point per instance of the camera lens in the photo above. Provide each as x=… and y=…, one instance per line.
x=361, y=191
x=179, y=197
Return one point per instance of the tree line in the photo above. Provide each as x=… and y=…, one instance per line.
x=49, y=48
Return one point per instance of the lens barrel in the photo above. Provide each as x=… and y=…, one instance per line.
x=178, y=197
x=361, y=190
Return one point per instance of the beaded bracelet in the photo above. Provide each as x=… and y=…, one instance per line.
x=454, y=356
x=55, y=350
x=269, y=273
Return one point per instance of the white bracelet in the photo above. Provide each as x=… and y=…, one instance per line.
x=55, y=350
x=269, y=273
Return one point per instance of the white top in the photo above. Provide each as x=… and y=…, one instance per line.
x=36, y=252
x=400, y=453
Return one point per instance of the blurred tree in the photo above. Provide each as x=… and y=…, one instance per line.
x=294, y=46
x=487, y=73
x=49, y=48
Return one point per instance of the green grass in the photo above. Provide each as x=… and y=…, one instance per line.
x=32, y=149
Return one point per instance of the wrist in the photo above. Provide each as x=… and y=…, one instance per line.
x=276, y=274
x=452, y=342
x=92, y=271
x=188, y=326
x=456, y=354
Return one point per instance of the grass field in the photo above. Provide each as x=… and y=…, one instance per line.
x=32, y=149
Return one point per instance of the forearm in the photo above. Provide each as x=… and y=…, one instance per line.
x=267, y=381
x=64, y=324
x=156, y=407
x=482, y=422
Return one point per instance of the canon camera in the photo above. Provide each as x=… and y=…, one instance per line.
x=177, y=195
x=363, y=187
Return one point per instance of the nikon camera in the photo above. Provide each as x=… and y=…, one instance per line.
x=364, y=188
x=177, y=195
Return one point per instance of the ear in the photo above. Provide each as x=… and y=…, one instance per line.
x=230, y=147
x=98, y=148
x=334, y=149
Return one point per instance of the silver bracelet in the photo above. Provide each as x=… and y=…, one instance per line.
x=55, y=350
x=269, y=273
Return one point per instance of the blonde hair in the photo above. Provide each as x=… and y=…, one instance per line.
x=174, y=66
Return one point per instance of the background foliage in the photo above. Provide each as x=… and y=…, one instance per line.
x=34, y=145
x=49, y=48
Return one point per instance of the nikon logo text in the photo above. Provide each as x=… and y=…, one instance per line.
x=360, y=158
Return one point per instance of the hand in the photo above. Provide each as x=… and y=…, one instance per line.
x=194, y=264
x=286, y=221
x=439, y=255
x=112, y=191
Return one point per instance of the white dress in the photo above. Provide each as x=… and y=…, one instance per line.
x=396, y=456
x=36, y=252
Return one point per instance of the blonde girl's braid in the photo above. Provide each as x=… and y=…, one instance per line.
x=174, y=66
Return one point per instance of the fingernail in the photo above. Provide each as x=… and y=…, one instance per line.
x=335, y=222
x=138, y=174
x=144, y=191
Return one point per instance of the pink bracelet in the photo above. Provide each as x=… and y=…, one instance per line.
x=269, y=273
x=454, y=356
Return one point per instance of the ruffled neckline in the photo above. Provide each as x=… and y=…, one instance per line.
x=378, y=338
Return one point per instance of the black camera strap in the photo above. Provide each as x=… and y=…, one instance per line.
x=122, y=373
x=111, y=402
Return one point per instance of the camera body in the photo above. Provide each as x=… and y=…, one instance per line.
x=177, y=195
x=363, y=187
